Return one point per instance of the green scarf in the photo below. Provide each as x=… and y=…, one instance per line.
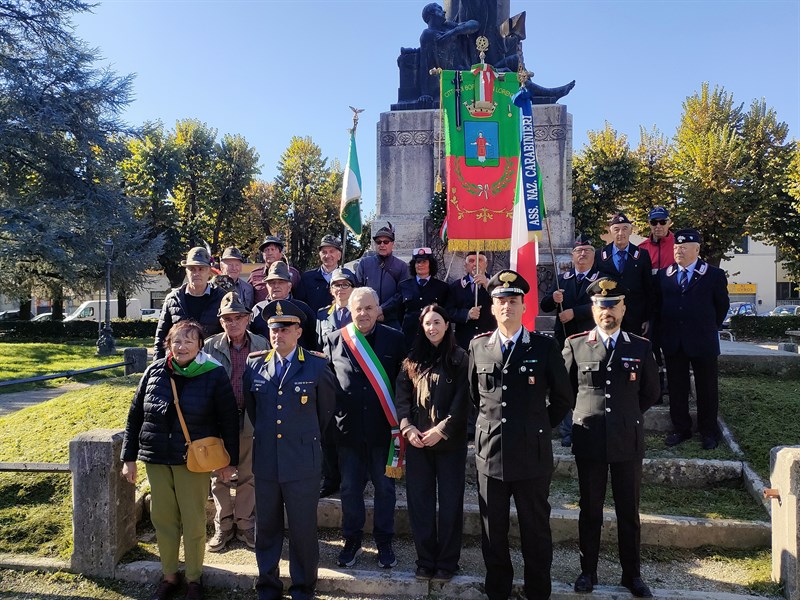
x=202, y=363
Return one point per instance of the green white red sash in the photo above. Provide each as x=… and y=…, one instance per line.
x=372, y=367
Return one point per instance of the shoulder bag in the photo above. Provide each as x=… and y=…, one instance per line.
x=206, y=454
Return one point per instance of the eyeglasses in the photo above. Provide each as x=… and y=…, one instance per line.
x=341, y=285
x=655, y=222
x=582, y=250
x=383, y=242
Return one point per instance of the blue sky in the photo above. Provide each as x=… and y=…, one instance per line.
x=272, y=69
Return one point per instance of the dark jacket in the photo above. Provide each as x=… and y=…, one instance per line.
x=443, y=401
x=688, y=320
x=289, y=415
x=576, y=298
x=327, y=321
x=359, y=415
x=513, y=428
x=174, y=309
x=637, y=276
x=383, y=275
x=612, y=393
x=460, y=299
x=260, y=293
x=316, y=288
x=411, y=298
x=153, y=432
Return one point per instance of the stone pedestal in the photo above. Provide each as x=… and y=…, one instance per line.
x=785, y=478
x=103, y=506
x=411, y=149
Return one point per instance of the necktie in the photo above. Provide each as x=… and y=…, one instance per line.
x=683, y=278
x=580, y=277
x=621, y=261
x=507, y=348
x=280, y=368
x=610, y=345
x=422, y=282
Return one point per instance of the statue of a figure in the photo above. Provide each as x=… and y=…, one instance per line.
x=443, y=44
x=448, y=44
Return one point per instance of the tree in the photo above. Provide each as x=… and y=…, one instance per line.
x=60, y=141
x=655, y=182
x=603, y=179
x=709, y=170
x=772, y=175
x=307, y=193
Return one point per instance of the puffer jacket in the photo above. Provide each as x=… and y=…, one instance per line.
x=174, y=310
x=153, y=432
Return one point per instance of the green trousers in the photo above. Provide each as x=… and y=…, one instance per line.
x=178, y=502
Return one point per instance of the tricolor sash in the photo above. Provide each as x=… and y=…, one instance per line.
x=372, y=367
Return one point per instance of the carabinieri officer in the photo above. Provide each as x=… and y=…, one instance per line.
x=615, y=377
x=290, y=395
x=511, y=372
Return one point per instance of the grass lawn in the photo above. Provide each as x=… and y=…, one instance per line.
x=762, y=413
x=36, y=509
x=18, y=361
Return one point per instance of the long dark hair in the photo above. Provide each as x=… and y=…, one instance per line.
x=423, y=354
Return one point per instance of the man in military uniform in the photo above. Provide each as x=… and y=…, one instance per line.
x=279, y=287
x=290, y=394
x=691, y=305
x=511, y=371
x=316, y=282
x=471, y=318
x=363, y=413
x=573, y=306
x=615, y=378
x=630, y=266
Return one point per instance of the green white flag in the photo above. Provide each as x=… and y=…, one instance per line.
x=350, y=210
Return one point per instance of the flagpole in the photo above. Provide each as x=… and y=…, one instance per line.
x=522, y=76
x=352, y=132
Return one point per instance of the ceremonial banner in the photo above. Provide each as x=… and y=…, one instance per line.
x=350, y=209
x=528, y=210
x=481, y=128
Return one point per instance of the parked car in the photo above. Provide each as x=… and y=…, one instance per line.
x=48, y=316
x=747, y=309
x=9, y=315
x=151, y=314
x=785, y=310
x=95, y=310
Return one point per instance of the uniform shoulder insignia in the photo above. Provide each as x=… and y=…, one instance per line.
x=636, y=254
x=605, y=255
x=464, y=282
x=568, y=275
x=671, y=270
x=317, y=354
x=701, y=270
x=594, y=276
x=259, y=353
x=480, y=335
x=577, y=335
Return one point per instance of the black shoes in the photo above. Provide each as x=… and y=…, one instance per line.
x=709, y=442
x=424, y=573
x=442, y=576
x=352, y=550
x=677, y=437
x=637, y=587
x=328, y=489
x=585, y=583
x=386, y=557
x=166, y=589
x=194, y=590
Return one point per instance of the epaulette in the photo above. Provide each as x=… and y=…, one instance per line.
x=577, y=335
x=625, y=336
x=260, y=353
x=317, y=354
x=480, y=335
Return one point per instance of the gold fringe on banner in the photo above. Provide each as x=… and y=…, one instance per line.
x=482, y=245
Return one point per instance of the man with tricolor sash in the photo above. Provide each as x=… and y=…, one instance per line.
x=366, y=358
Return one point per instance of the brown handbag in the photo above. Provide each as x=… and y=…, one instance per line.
x=206, y=454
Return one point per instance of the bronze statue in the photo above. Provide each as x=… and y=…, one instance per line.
x=448, y=44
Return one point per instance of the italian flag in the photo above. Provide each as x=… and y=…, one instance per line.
x=350, y=209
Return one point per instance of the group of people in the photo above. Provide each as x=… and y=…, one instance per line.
x=323, y=381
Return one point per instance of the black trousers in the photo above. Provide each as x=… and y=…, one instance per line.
x=432, y=474
x=331, y=477
x=626, y=479
x=300, y=499
x=706, y=380
x=533, y=511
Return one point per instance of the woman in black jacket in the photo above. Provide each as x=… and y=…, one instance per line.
x=153, y=435
x=433, y=405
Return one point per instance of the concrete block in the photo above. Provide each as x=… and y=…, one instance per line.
x=138, y=359
x=104, y=508
x=785, y=479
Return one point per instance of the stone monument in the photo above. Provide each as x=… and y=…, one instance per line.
x=411, y=141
